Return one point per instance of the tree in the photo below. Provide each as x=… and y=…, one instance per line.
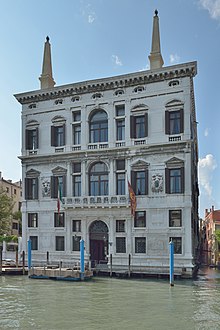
x=6, y=211
x=217, y=235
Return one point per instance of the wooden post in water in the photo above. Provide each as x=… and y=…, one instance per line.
x=23, y=262
x=82, y=263
x=171, y=263
x=0, y=259
x=129, y=265
x=29, y=255
x=47, y=257
x=16, y=257
x=111, y=265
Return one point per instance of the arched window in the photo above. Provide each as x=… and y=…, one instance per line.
x=99, y=127
x=98, y=180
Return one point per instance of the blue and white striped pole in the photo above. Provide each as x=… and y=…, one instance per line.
x=171, y=263
x=29, y=254
x=82, y=263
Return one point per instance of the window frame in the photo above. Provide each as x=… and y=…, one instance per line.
x=120, y=244
x=59, y=220
x=138, y=242
x=120, y=225
x=174, y=219
x=177, y=122
x=177, y=244
x=143, y=125
x=32, y=220
x=59, y=246
x=34, y=242
x=140, y=221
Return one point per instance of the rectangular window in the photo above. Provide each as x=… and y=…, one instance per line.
x=31, y=188
x=120, y=226
x=76, y=134
x=139, y=126
x=76, y=179
x=120, y=110
x=175, y=180
x=174, y=122
x=15, y=225
x=140, y=219
x=60, y=243
x=76, y=243
x=58, y=182
x=177, y=242
x=175, y=218
x=34, y=242
x=59, y=219
x=120, y=244
x=139, y=182
x=31, y=139
x=120, y=177
x=76, y=225
x=140, y=244
x=33, y=220
x=76, y=116
x=58, y=136
x=120, y=129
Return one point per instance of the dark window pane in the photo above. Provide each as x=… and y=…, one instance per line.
x=120, y=245
x=33, y=220
x=140, y=245
x=76, y=243
x=120, y=226
x=177, y=241
x=59, y=220
x=34, y=242
x=76, y=225
x=175, y=218
x=60, y=243
x=140, y=219
x=120, y=184
x=120, y=110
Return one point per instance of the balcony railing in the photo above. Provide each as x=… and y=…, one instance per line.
x=96, y=201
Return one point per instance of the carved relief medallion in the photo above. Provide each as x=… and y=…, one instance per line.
x=46, y=187
x=157, y=183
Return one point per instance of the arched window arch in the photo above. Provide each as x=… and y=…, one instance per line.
x=98, y=127
x=98, y=179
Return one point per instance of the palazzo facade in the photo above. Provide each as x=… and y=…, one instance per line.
x=83, y=142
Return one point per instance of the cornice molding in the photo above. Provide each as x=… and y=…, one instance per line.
x=127, y=80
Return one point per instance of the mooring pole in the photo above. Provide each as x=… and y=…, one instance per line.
x=23, y=262
x=48, y=258
x=171, y=263
x=82, y=262
x=110, y=265
x=0, y=259
x=29, y=255
x=129, y=265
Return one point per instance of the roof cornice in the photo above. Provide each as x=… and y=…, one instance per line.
x=131, y=79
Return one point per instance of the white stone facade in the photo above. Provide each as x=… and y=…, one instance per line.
x=148, y=92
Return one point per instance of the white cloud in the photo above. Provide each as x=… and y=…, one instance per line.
x=213, y=7
x=91, y=18
x=206, y=133
x=174, y=58
x=206, y=167
x=116, y=60
x=88, y=12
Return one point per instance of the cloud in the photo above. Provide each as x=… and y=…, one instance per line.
x=91, y=17
x=147, y=67
x=116, y=60
x=206, y=133
x=206, y=167
x=174, y=58
x=88, y=12
x=213, y=7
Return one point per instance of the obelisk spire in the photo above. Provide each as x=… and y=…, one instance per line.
x=46, y=78
x=155, y=57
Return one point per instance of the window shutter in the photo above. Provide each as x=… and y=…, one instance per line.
x=167, y=180
x=53, y=139
x=181, y=121
x=64, y=186
x=132, y=126
x=133, y=181
x=146, y=124
x=182, y=180
x=167, y=122
x=26, y=139
x=53, y=187
x=26, y=188
x=146, y=182
x=37, y=188
x=37, y=137
x=64, y=134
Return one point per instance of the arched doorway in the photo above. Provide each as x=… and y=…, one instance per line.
x=98, y=237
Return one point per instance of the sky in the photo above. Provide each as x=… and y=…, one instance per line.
x=100, y=38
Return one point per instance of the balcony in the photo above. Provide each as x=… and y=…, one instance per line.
x=96, y=201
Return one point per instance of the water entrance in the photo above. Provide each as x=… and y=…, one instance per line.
x=98, y=235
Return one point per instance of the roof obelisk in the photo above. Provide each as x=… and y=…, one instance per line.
x=155, y=57
x=46, y=78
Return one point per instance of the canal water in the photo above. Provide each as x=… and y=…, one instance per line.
x=110, y=303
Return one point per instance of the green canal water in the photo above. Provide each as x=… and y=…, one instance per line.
x=105, y=303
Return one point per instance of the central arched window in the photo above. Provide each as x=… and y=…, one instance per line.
x=98, y=180
x=99, y=127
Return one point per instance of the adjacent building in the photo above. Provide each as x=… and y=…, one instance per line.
x=211, y=247
x=13, y=190
x=82, y=143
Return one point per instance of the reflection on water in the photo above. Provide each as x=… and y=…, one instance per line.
x=105, y=303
